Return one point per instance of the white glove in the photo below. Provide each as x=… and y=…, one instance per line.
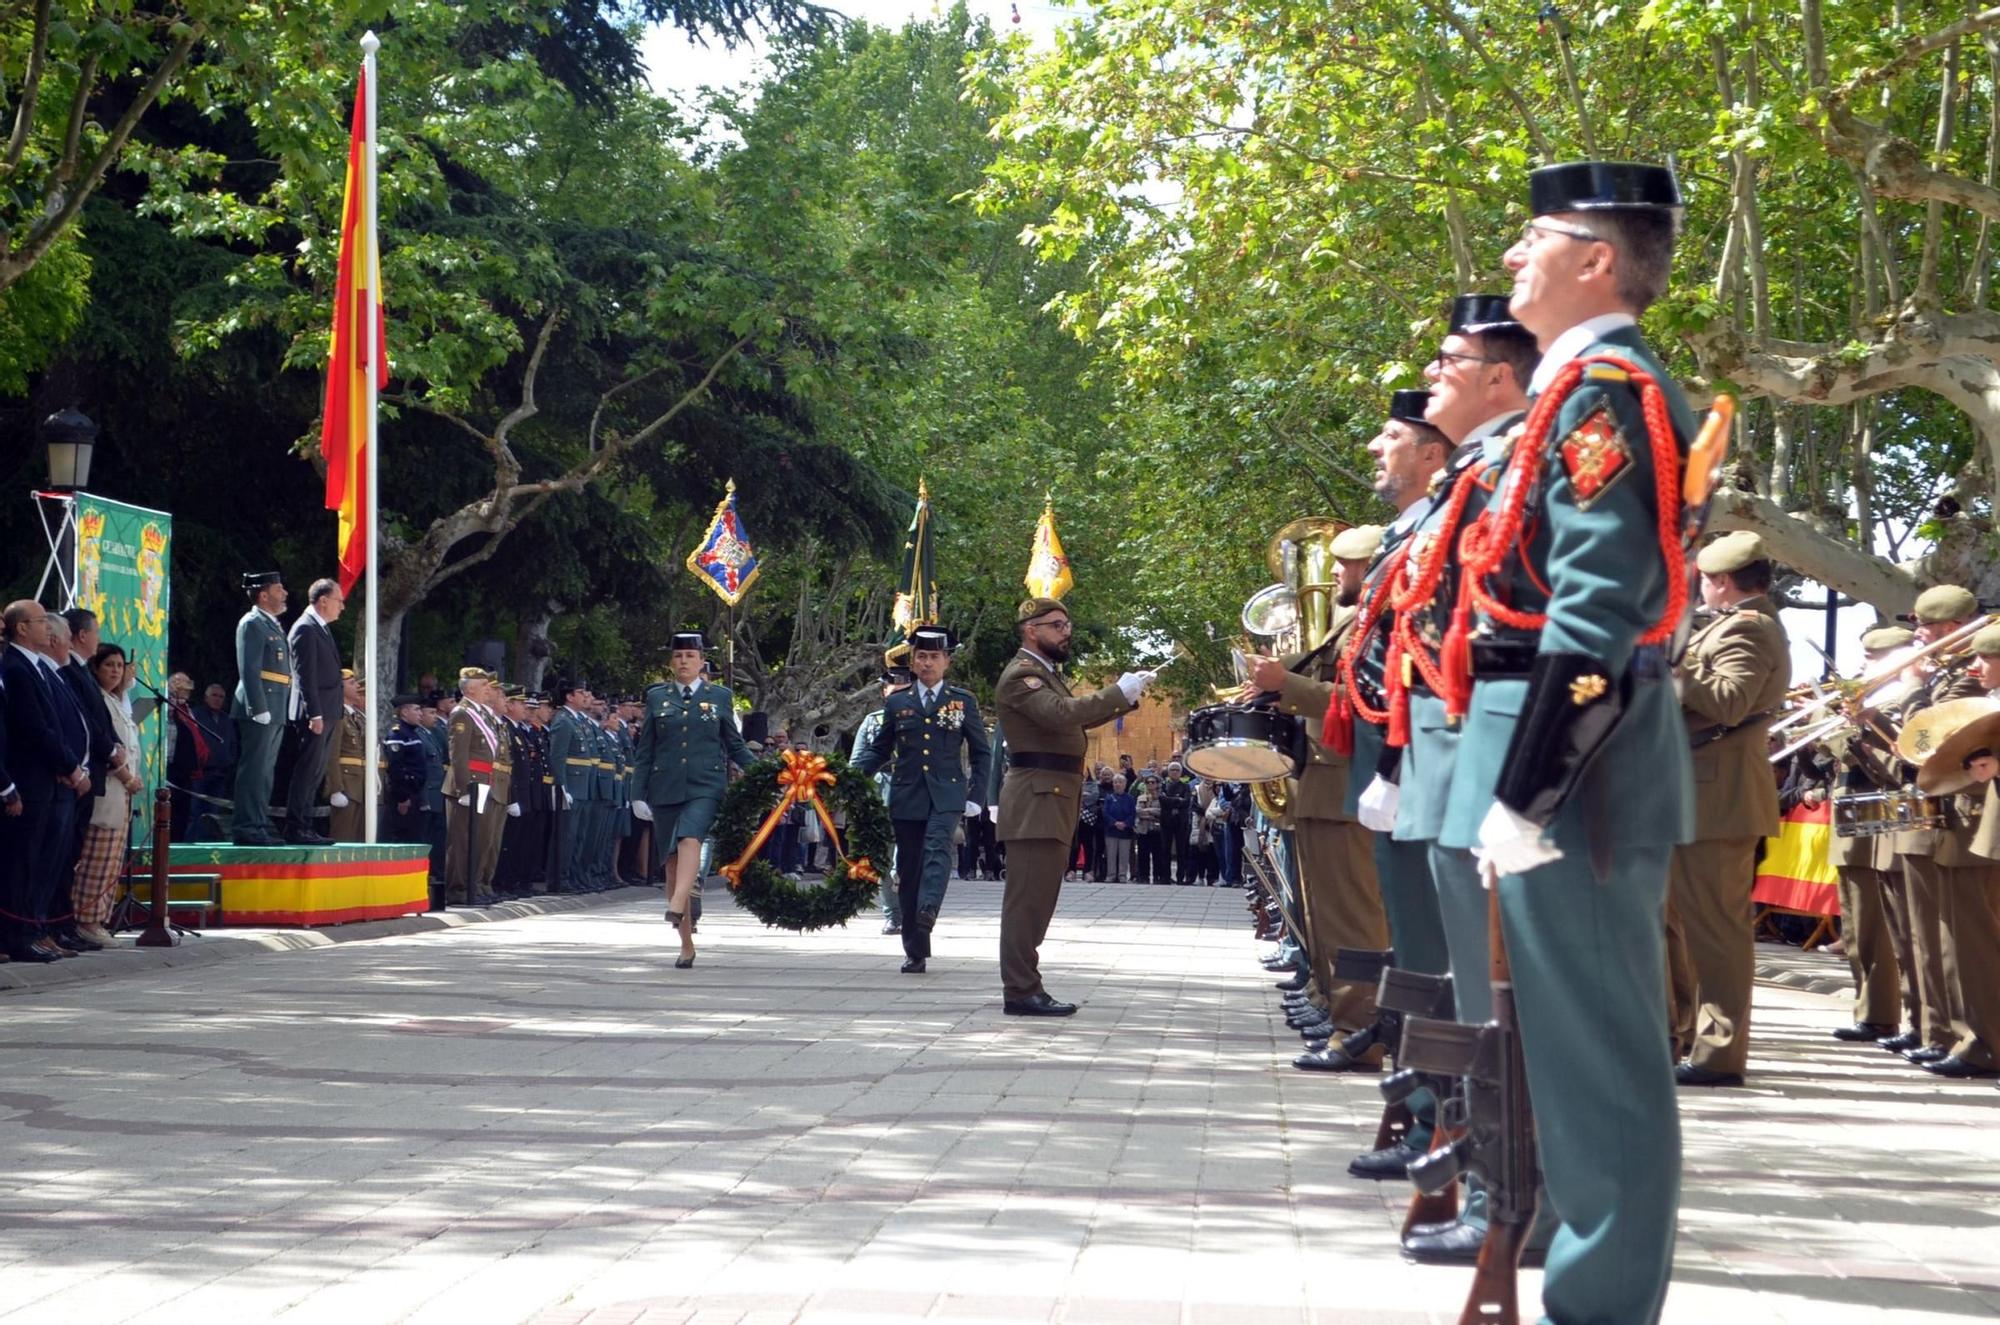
x=569, y=801
x=993, y=813
x=514, y=810
x=262, y=719
x=1378, y=805
x=465, y=799
x=972, y=810
x=1134, y=684
x=642, y=811
x=338, y=800
x=1512, y=845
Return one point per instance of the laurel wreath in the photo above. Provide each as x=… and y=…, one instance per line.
x=784, y=903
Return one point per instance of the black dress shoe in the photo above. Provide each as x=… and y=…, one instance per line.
x=1319, y=1030
x=1458, y=1244
x=306, y=838
x=1431, y=1230
x=258, y=838
x=1389, y=1162
x=1864, y=1030
x=1930, y=1053
x=914, y=966
x=1687, y=1074
x=1951, y=1065
x=27, y=954
x=1329, y=1058
x=1038, y=1004
x=1296, y=982
x=1903, y=1043
x=1305, y=1016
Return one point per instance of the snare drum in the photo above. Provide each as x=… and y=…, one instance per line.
x=1875, y=813
x=1231, y=743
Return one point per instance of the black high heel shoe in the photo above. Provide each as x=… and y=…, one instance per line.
x=682, y=963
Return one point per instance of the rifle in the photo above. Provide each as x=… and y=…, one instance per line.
x=1498, y=1138
x=1404, y=996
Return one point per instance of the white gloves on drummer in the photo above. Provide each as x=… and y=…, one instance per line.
x=513, y=809
x=972, y=810
x=1134, y=684
x=1377, y=810
x=1511, y=844
x=338, y=800
x=642, y=811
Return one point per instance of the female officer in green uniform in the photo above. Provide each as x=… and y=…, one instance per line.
x=688, y=738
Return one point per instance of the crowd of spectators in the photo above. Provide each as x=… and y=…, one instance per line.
x=1154, y=825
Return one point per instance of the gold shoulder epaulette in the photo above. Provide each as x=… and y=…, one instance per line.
x=1604, y=372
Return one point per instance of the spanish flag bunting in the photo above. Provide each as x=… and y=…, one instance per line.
x=350, y=395
x=1048, y=569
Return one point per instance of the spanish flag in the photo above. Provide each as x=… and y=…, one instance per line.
x=1048, y=569
x=350, y=394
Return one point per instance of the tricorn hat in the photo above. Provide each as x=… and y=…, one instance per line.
x=936, y=639
x=1475, y=314
x=1583, y=186
x=1940, y=738
x=253, y=580
x=1408, y=406
x=688, y=639
x=897, y=676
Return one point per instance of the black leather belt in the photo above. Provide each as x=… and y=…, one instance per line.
x=1509, y=659
x=1053, y=763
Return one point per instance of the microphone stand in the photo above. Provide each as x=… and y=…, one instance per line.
x=131, y=913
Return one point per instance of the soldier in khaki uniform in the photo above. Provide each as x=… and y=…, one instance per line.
x=1043, y=727
x=1732, y=680
x=475, y=790
x=345, y=784
x=1343, y=902
x=1874, y=907
x=1932, y=857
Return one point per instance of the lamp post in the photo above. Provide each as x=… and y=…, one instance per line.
x=71, y=439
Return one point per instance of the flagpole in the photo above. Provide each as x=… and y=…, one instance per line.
x=371, y=624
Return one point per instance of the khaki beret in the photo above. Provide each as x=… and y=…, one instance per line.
x=474, y=674
x=347, y=673
x=1360, y=543
x=1945, y=602
x=1884, y=638
x=1731, y=552
x=1986, y=643
x=1031, y=608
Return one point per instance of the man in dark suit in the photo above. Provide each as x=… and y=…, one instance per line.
x=106, y=754
x=317, y=659
x=48, y=774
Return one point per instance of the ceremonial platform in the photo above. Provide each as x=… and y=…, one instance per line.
x=290, y=885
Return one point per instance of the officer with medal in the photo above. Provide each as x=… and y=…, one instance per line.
x=263, y=704
x=1044, y=728
x=688, y=740
x=1479, y=393
x=474, y=790
x=930, y=788
x=1573, y=779
x=1732, y=679
x=1343, y=906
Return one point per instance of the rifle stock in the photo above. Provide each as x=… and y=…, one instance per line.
x=1512, y=1174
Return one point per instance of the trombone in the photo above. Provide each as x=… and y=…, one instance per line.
x=1864, y=692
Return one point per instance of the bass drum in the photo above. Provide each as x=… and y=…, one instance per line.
x=1233, y=743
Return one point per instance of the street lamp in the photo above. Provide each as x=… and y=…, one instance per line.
x=71, y=438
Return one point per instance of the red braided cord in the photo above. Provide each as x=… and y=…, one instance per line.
x=1488, y=540
x=1357, y=637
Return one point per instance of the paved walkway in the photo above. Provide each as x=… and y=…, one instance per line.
x=540, y=1120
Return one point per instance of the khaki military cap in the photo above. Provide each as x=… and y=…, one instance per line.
x=1884, y=638
x=1730, y=553
x=1945, y=602
x=1360, y=543
x=1031, y=608
x=1986, y=643
x=474, y=674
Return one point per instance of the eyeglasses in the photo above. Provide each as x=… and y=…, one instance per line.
x=1533, y=230
x=1056, y=623
x=1444, y=359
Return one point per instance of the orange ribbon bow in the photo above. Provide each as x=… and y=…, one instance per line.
x=802, y=777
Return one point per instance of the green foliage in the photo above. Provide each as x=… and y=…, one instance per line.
x=40, y=310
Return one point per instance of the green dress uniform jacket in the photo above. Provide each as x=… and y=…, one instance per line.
x=263, y=669
x=927, y=775
x=572, y=756
x=686, y=743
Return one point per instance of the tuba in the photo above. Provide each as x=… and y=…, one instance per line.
x=1295, y=614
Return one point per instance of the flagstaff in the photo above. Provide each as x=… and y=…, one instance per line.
x=370, y=623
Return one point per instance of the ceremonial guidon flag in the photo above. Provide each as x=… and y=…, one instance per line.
x=1048, y=569
x=357, y=348
x=916, y=591
x=724, y=559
